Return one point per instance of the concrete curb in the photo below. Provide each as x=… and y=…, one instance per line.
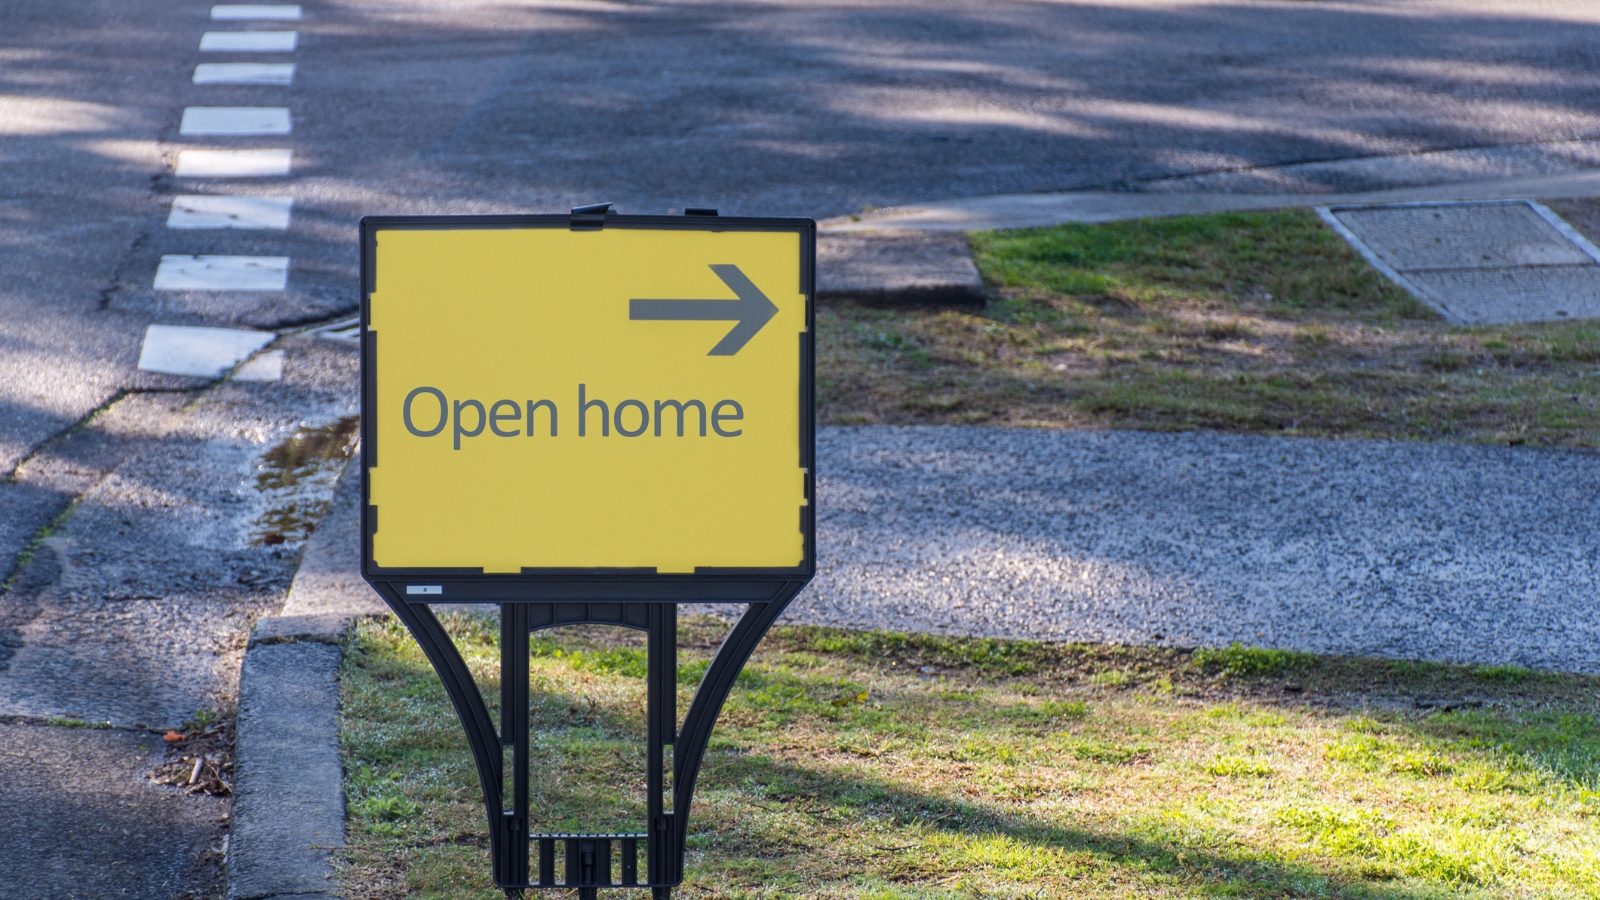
x=898, y=269
x=288, y=807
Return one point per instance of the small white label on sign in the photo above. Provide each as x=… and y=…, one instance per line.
x=425, y=589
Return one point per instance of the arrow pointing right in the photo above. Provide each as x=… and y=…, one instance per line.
x=752, y=310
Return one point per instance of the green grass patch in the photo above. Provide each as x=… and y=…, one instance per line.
x=880, y=765
x=1243, y=322
x=1239, y=660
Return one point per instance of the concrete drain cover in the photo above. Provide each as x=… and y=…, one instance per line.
x=1479, y=263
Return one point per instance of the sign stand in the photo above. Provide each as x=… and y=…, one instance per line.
x=724, y=516
x=589, y=861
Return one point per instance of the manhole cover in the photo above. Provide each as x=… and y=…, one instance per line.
x=1479, y=263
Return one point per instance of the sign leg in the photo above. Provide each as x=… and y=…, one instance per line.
x=514, y=735
x=661, y=727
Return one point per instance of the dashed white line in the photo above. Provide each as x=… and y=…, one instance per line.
x=248, y=41
x=233, y=163
x=238, y=11
x=190, y=350
x=209, y=351
x=235, y=120
x=244, y=73
x=199, y=211
x=222, y=273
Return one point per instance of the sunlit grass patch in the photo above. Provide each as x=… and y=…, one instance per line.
x=1238, y=767
x=879, y=765
x=1237, y=659
x=1242, y=322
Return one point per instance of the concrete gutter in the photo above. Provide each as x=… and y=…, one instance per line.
x=288, y=807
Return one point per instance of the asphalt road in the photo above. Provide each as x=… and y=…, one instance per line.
x=411, y=106
x=773, y=107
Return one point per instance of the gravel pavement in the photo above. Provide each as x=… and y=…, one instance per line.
x=1446, y=552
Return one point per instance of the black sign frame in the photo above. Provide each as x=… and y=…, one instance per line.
x=706, y=584
x=546, y=598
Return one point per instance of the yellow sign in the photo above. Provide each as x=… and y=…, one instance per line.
x=614, y=398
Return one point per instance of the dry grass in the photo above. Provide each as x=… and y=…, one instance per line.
x=881, y=766
x=1263, y=323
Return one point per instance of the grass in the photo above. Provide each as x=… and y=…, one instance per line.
x=1241, y=322
x=880, y=766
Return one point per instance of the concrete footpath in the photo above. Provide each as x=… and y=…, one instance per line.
x=1448, y=552
x=918, y=253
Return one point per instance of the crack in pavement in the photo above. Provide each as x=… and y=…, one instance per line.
x=116, y=282
x=134, y=607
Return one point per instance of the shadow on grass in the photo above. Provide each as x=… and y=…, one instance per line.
x=1034, y=843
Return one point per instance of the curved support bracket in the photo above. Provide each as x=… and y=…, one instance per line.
x=463, y=690
x=729, y=660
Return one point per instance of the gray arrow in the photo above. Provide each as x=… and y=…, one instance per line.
x=752, y=310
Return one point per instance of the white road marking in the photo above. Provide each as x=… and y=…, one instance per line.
x=267, y=366
x=222, y=273
x=244, y=73
x=199, y=211
x=235, y=120
x=248, y=41
x=233, y=163
x=190, y=350
x=238, y=11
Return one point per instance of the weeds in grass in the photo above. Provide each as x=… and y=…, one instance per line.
x=1251, y=662
x=1111, y=678
x=1502, y=674
x=1238, y=767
